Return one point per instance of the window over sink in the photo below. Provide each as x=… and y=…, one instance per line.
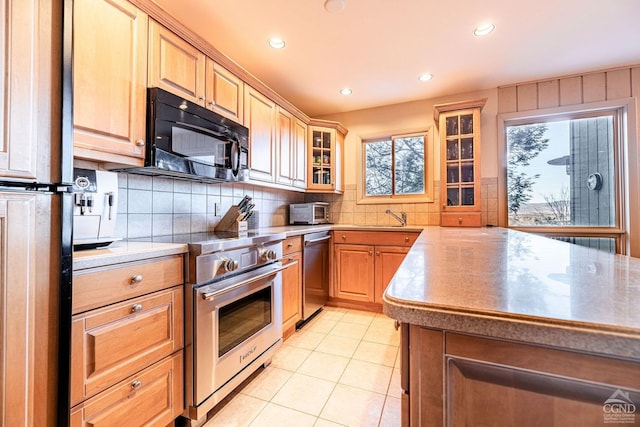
x=396, y=169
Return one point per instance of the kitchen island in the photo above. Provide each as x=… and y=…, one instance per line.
x=506, y=328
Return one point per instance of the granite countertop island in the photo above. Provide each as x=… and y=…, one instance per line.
x=512, y=285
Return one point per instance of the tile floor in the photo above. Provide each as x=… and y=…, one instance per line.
x=341, y=369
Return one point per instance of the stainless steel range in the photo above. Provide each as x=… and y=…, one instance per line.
x=233, y=314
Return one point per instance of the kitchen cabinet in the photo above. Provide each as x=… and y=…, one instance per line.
x=325, y=157
x=109, y=78
x=127, y=342
x=260, y=118
x=175, y=65
x=450, y=378
x=224, y=92
x=459, y=127
x=365, y=262
x=291, y=150
x=292, y=285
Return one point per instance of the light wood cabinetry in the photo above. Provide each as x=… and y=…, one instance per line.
x=126, y=341
x=299, y=165
x=454, y=379
x=260, y=118
x=292, y=285
x=109, y=73
x=365, y=262
x=30, y=251
x=459, y=126
x=325, y=157
x=291, y=150
x=224, y=92
x=175, y=65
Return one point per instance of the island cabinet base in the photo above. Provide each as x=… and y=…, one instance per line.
x=451, y=379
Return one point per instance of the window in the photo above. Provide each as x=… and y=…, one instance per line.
x=563, y=177
x=395, y=167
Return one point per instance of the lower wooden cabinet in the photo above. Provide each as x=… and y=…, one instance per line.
x=292, y=285
x=456, y=380
x=127, y=339
x=365, y=262
x=153, y=396
x=118, y=340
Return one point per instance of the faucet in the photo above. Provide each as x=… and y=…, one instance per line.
x=402, y=218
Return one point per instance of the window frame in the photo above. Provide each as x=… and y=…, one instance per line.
x=427, y=196
x=627, y=177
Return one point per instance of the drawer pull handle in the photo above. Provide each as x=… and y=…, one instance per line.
x=136, y=308
x=136, y=279
x=406, y=239
x=136, y=385
x=344, y=237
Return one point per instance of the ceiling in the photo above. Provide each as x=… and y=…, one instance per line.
x=378, y=48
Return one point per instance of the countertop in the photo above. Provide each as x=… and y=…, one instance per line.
x=124, y=251
x=507, y=284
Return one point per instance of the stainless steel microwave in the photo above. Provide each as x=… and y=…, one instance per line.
x=309, y=213
x=186, y=140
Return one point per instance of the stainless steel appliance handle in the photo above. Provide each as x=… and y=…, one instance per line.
x=321, y=239
x=210, y=295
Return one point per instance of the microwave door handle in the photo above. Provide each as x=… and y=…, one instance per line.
x=235, y=157
x=204, y=130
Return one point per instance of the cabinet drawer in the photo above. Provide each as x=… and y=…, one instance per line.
x=97, y=287
x=113, y=342
x=466, y=219
x=154, y=396
x=292, y=244
x=389, y=238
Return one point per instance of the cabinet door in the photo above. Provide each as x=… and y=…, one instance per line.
x=321, y=151
x=354, y=272
x=285, y=147
x=109, y=78
x=152, y=397
x=260, y=118
x=292, y=293
x=30, y=73
x=460, y=167
x=300, y=154
x=114, y=342
x=175, y=65
x=388, y=259
x=225, y=92
x=338, y=166
x=28, y=309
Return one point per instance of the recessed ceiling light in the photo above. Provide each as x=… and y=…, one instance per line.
x=346, y=91
x=334, y=6
x=484, y=29
x=276, y=43
x=425, y=77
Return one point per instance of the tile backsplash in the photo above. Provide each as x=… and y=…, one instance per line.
x=158, y=206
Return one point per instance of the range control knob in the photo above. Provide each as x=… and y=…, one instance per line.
x=228, y=264
x=267, y=255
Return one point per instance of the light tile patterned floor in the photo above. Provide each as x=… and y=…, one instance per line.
x=341, y=369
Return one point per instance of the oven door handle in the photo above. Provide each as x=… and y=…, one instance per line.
x=211, y=295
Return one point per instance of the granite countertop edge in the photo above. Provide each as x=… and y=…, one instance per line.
x=584, y=337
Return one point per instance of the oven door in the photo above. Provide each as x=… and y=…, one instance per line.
x=235, y=321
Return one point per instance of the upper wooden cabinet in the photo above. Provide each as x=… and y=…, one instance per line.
x=224, y=92
x=260, y=118
x=299, y=162
x=291, y=137
x=325, y=157
x=175, y=65
x=459, y=126
x=109, y=78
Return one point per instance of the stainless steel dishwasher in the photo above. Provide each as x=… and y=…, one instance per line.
x=315, y=273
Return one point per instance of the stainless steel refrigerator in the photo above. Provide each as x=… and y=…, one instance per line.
x=36, y=166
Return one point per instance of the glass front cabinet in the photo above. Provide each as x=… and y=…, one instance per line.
x=326, y=157
x=459, y=127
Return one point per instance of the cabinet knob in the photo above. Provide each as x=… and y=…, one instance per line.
x=444, y=206
x=370, y=252
x=344, y=237
x=212, y=103
x=378, y=253
x=136, y=279
x=459, y=220
x=136, y=308
x=201, y=98
x=289, y=245
x=140, y=142
x=136, y=384
x=406, y=238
